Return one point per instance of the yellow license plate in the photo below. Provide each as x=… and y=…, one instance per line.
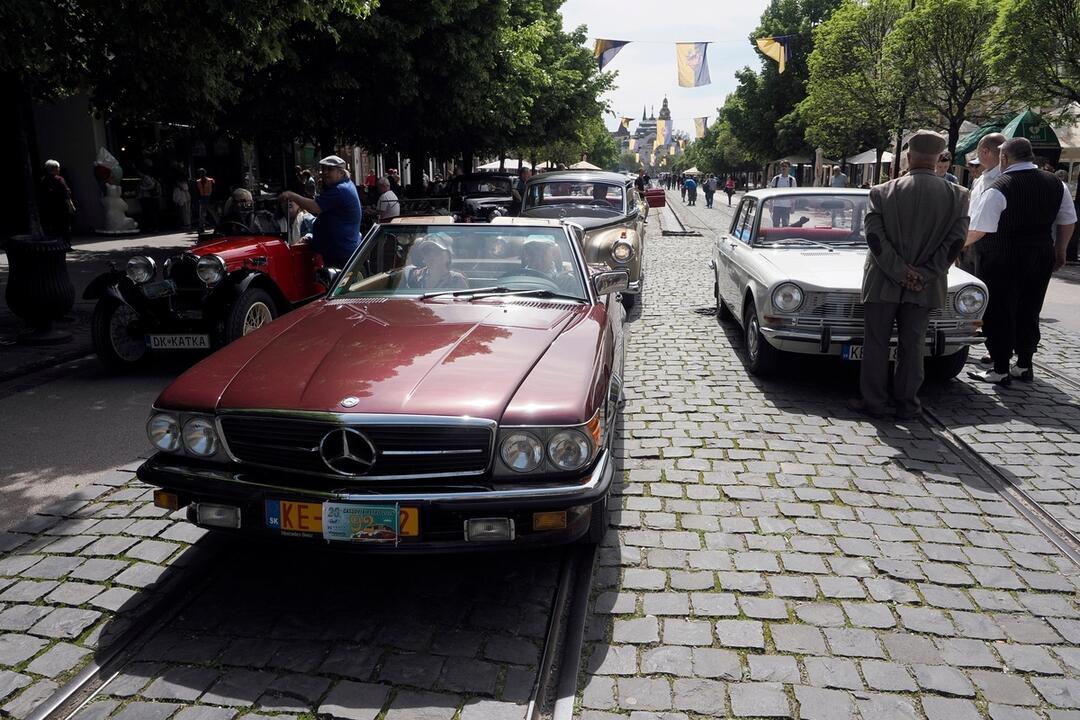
x=300, y=517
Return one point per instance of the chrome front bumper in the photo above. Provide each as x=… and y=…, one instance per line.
x=830, y=341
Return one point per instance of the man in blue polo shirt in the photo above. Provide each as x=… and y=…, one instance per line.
x=336, y=210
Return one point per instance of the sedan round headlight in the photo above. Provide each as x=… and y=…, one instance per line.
x=970, y=300
x=141, y=269
x=569, y=450
x=200, y=438
x=622, y=251
x=210, y=269
x=521, y=452
x=164, y=432
x=787, y=297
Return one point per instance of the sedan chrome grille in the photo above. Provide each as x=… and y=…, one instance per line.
x=402, y=450
x=847, y=306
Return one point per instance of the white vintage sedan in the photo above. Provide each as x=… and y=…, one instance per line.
x=790, y=271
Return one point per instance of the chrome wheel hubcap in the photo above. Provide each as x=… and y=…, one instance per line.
x=128, y=345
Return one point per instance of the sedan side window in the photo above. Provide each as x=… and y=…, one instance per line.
x=745, y=228
x=737, y=220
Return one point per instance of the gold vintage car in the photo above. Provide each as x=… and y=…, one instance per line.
x=607, y=206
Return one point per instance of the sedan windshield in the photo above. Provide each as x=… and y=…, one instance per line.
x=834, y=220
x=465, y=260
x=570, y=198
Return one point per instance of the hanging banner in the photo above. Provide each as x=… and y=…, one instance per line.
x=624, y=123
x=633, y=144
x=605, y=50
x=693, y=67
x=671, y=150
x=663, y=133
x=700, y=126
x=778, y=48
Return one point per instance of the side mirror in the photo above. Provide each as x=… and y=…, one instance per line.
x=326, y=276
x=611, y=281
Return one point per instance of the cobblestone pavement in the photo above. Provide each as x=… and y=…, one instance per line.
x=778, y=557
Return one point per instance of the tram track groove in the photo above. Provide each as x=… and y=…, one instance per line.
x=1007, y=487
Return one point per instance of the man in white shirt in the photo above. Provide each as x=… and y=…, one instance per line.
x=839, y=179
x=387, y=205
x=988, y=154
x=781, y=207
x=1014, y=227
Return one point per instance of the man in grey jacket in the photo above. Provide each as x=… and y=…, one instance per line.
x=915, y=228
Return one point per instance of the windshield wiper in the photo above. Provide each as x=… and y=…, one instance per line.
x=467, y=291
x=536, y=292
x=804, y=240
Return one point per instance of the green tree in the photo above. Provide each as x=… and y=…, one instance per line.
x=938, y=48
x=1034, y=49
x=852, y=95
x=761, y=110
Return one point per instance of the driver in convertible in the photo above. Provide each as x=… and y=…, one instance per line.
x=241, y=218
x=541, y=257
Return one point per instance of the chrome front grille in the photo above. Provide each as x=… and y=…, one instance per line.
x=846, y=308
x=431, y=448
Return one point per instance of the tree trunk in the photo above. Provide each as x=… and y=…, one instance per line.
x=467, y=153
x=327, y=142
x=417, y=168
x=954, y=135
x=877, y=167
x=24, y=122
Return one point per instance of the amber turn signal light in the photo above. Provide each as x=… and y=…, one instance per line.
x=549, y=520
x=167, y=500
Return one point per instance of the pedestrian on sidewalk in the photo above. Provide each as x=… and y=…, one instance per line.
x=691, y=190
x=54, y=202
x=839, y=179
x=915, y=227
x=710, y=190
x=944, y=162
x=682, y=187
x=204, y=187
x=181, y=197
x=729, y=188
x=988, y=153
x=1014, y=227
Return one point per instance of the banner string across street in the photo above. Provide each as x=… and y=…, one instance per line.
x=690, y=57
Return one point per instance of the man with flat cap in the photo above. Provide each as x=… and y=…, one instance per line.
x=915, y=228
x=337, y=212
x=1014, y=230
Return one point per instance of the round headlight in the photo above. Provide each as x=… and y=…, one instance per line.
x=522, y=452
x=970, y=300
x=787, y=297
x=200, y=438
x=210, y=269
x=569, y=450
x=141, y=269
x=164, y=432
x=622, y=251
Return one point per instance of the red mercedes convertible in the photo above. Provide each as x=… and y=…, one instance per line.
x=457, y=388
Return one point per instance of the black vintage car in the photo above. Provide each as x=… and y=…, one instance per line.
x=477, y=197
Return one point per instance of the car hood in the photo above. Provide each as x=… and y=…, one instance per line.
x=589, y=219
x=841, y=269
x=394, y=356
x=234, y=249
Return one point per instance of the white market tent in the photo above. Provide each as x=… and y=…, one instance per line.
x=509, y=164
x=869, y=157
x=692, y=171
x=583, y=165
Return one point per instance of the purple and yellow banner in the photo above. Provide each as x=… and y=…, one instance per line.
x=693, y=66
x=777, y=47
x=701, y=124
x=605, y=50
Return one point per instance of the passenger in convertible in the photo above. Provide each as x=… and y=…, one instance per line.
x=541, y=257
x=432, y=270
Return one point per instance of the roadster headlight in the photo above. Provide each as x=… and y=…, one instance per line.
x=141, y=269
x=200, y=437
x=787, y=297
x=622, y=251
x=210, y=269
x=970, y=300
x=164, y=432
x=569, y=450
x=521, y=452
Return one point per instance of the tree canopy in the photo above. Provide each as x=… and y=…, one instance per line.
x=1034, y=49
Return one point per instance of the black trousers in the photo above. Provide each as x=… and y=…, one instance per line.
x=1017, y=278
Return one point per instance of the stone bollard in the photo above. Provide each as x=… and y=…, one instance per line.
x=39, y=290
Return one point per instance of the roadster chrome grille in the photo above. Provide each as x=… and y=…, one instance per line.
x=841, y=306
x=402, y=450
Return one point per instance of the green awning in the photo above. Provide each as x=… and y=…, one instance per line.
x=967, y=143
x=1029, y=125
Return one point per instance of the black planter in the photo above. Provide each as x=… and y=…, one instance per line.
x=39, y=290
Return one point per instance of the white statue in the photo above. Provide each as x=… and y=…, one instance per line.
x=116, y=219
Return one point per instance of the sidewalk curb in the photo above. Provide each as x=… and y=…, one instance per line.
x=73, y=353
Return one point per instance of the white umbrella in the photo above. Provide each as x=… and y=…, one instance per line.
x=692, y=171
x=583, y=165
x=509, y=164
x=869, y=158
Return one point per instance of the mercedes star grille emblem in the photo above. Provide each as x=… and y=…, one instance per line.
x=350, y=401
x=347, y=451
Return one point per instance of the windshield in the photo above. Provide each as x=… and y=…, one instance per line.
x=813, y=219
x=481, y=186
x=428, y=259
x=600, y=195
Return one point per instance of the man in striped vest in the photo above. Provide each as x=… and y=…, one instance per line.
x=1014, y=225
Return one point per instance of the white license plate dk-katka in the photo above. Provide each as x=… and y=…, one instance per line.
x=178, y=342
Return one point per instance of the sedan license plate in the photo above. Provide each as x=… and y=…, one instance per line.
x=178, y=342
x=343, y=521
x=855, y=352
